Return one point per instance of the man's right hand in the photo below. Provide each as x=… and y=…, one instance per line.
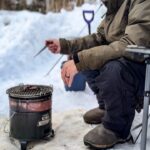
x=53, y=45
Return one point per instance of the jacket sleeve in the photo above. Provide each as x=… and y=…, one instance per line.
x=137, y=32
x=71, y=46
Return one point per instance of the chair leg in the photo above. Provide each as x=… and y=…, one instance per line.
x=146, y=108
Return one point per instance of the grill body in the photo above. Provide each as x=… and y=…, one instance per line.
x=30, y=113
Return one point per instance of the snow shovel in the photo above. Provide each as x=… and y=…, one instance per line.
x=88, y=20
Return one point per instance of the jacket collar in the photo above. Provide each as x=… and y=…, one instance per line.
x=112, y=5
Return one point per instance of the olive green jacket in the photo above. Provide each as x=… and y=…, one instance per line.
x=129, y=25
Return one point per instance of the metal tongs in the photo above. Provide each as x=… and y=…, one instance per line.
x=40, y=51
x=46, y=44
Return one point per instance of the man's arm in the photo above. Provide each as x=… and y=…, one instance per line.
x=71, y=46
x=137, y=32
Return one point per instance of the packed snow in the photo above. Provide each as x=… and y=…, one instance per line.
x=22, y=35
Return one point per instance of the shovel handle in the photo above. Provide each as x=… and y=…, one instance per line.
x=88, y=21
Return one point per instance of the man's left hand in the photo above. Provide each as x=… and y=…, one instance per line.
x=68, y=72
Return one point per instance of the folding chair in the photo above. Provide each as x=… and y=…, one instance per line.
x=143, y=52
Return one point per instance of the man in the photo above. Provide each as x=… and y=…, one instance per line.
x=117, y=78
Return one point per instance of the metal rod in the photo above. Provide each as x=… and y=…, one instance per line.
x=139, y=125
x=40, y=51
x=145, y=109
x=54, y=65
x=12, y=115
x=89, y=27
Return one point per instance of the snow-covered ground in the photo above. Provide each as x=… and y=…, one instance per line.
x=22, y=34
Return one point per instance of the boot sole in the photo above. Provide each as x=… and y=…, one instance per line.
x=92, y=122
x=104, y=147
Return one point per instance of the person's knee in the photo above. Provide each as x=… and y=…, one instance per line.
x=109, y=73
x=112, y=66
x=90, y=74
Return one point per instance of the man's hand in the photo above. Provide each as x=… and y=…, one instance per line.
x=53, y=45
x=68, y=72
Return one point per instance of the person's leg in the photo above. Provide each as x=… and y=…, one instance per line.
x=94, y=116
x=119, y=90
x=90, y=78
x=119, y=83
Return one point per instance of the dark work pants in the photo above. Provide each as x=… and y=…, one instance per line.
x=118, y=85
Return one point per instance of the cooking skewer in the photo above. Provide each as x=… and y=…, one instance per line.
x=46, y=45
x=40, y=51
x=54, y=66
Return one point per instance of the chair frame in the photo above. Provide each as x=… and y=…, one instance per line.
x=145, y=54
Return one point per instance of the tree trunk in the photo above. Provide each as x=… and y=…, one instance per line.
x=68, y=5
x=24, y=4
x=48, y=5
x=3, y=4
x=80, y=2
x=52, y=5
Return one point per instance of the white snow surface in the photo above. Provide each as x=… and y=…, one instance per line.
x=23, y=34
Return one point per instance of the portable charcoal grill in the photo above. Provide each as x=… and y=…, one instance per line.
x=30, y=113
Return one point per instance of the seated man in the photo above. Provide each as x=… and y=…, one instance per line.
x=115, y=77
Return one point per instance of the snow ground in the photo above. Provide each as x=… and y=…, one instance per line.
x=69, y=129
x=22, y=34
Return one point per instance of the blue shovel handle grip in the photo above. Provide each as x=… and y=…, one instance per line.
x=88, y=21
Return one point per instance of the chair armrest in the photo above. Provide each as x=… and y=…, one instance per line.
x=139, y=51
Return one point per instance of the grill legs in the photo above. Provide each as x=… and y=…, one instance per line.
x=23, y=145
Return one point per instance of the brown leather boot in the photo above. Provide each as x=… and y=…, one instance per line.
x=102, y=138
x=94, y=116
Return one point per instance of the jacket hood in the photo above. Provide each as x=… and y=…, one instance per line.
x=112, y=5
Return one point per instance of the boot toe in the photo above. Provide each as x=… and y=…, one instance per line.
x=100, y=138
x=94, y=116
x=90, y=138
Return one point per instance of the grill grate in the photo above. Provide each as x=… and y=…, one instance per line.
x=30, y=91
